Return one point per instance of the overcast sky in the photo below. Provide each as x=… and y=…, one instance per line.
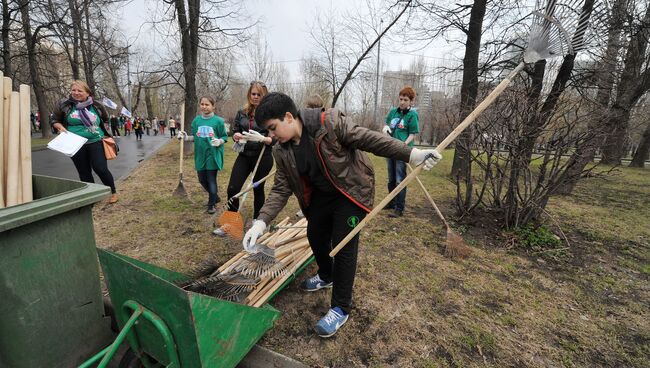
x=286, y=24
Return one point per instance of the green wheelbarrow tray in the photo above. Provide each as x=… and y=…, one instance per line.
x=206, y=331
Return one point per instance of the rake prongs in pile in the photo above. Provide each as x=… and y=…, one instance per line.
x=254, y=278
x=228, y=287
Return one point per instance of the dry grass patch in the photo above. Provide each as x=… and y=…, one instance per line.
x=413, y=306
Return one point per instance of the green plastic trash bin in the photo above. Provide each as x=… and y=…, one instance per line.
x=51, y=309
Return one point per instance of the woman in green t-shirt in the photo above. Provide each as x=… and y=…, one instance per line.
x=209, y=135
x=83, y=116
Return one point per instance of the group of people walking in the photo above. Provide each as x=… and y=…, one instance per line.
x=319, y=157
x=139, y=126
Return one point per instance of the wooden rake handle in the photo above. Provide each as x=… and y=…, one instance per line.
x=180, y=169
x=257, y=164
x=410, y=177
x=480, y=108
x=254, y=185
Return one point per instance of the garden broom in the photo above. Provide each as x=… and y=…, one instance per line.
x=180, y=191
x=555, y=32
x=454, y=244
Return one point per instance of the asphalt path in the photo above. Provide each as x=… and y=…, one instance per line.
x=132, y=152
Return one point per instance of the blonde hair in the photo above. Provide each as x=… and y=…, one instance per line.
x=314, y=101
x=81, y=84
x=249, y=108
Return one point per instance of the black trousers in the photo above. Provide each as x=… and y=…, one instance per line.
x=242, y=167
x=331, y=217
x=91, y=158
x=208, y=179
x=114, y=131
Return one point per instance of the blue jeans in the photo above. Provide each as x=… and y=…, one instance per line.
x=208, y=180
x=396, y=173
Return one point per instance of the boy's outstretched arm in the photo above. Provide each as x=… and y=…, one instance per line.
x=275, y=202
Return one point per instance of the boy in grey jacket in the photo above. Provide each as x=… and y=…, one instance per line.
x=320, y=159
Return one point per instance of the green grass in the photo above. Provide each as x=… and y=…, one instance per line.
x=40, y=142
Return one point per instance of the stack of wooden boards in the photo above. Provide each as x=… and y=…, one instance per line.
x=15, y=145
x=243, y=280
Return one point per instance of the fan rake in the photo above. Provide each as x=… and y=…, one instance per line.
x=253, y=278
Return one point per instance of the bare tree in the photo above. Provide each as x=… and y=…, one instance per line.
x=643, y=150
x=340, y=55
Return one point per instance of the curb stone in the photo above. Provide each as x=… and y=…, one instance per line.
x=260, y=357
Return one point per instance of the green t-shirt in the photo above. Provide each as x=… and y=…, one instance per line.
x=76, y=126
x=206, y=156
x=403, y=125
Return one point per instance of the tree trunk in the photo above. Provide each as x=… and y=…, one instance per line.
x=89, y=67
x=137, y=99
x=628, y=93
x=643, y=152
x=188, y=23
x=37, y=85
x=76, y=25
x=148, y=103
x=6, y=51
x=461, y=167
x=606, y=78
x=113, y=75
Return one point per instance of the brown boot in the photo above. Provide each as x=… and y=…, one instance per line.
x=113, y=199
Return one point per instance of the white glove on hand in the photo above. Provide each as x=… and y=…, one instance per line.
x=180, y=135
x=253, y=136
x=386, y=130
x=430, y=157
x=216, y=142
x=258, y=228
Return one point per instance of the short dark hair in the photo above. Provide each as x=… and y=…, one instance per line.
x=274, y=106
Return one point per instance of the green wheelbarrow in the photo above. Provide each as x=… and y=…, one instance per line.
x=170, y=327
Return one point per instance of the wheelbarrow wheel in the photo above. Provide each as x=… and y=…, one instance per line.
x=130, y=360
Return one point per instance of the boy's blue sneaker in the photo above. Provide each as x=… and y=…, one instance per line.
x=315, y=283
x=333, y=320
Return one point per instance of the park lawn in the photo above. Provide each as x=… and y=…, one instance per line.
x=38, y=143
x=586, y=305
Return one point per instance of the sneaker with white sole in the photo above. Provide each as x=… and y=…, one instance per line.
x=219, y=232
x=315, y=283
x=333, y=320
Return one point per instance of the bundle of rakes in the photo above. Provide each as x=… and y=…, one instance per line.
x=253, y=278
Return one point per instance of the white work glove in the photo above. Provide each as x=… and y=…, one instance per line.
x=253, y=136
x=386, y=130
x=430, y=157
x=258, y=228
x=181, y=134
x=216, y=142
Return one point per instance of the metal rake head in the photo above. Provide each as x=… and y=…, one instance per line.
x=262, y=263
x=560, y=27
x=232, y=287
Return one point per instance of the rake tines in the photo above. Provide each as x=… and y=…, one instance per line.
x=262, y=264
x=560, y=28
x=229, y=287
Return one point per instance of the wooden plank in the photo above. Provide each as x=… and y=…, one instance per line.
x=14, y=190
x=25, y=144
x=3, y=185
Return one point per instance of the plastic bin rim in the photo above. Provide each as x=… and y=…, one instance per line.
x=39, y=209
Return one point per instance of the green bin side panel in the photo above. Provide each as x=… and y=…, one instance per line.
x=127, y=279
x=227, y=331
x=51, y=309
